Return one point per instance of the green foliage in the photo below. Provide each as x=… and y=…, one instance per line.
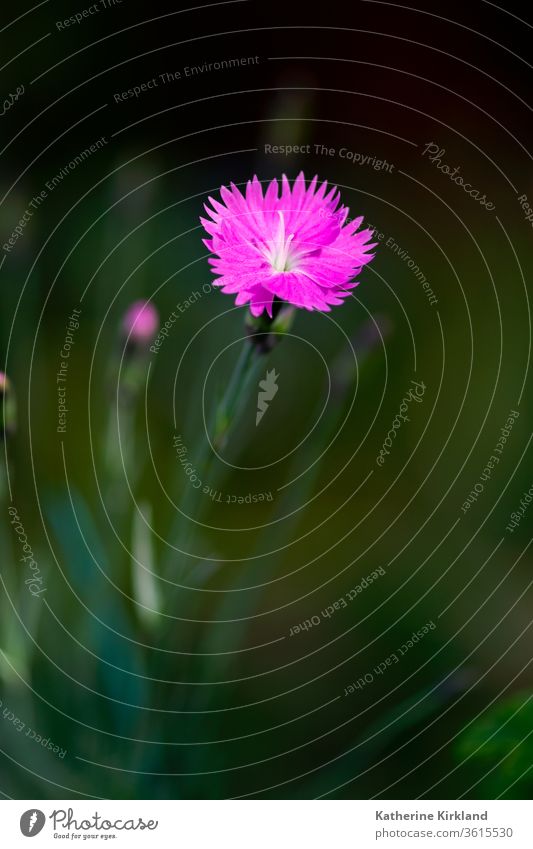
x=500, y=745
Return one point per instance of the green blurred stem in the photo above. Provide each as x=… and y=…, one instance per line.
x=120, y=451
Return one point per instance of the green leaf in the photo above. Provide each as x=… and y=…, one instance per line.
x=110, y=636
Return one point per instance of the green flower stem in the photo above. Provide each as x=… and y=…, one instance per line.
x=261, y=571
x=264, y=334
x=226, y=415
x=177, y=565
